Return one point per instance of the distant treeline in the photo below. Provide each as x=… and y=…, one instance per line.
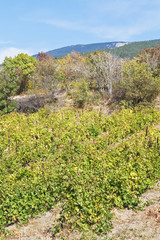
x=131, y=50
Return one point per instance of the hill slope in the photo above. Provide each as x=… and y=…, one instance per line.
x=84, y=48
x=121, y=49
x=132, y=49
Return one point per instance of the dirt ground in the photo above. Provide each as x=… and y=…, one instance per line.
x=136, y=225
x=127, y=224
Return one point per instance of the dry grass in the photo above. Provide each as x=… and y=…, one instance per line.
x=127, y=224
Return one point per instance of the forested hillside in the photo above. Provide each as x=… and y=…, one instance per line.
x=131, y=50
x=121, y=49
x=83, y=48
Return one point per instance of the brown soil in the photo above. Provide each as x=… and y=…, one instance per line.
x=37, y=228
x=127, y=224
x=136, y=225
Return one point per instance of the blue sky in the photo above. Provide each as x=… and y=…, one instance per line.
x=32, y=26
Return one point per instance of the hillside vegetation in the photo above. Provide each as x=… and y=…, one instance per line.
x=131, y=50
x=81, y=159
x=84, y=78
x=87, y=162
x=82, y=48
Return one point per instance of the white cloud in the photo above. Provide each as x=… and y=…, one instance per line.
x=4, y=42
x=11, y=52
x=114, y=20
x=123, y=32
x=65, y=24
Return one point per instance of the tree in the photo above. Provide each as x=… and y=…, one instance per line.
x=152, y=57
x=104, y=69
x=137, y=83
x=82, y=95
x=8, y=87
x=46, y=75
x=43, y=56
x=21, y=66
x=73, y=67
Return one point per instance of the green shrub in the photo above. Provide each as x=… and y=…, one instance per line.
x=137, y=85
x=8, y=87
x=86, y=161
x=81, y=96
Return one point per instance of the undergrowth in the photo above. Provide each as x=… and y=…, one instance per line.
x=86, y=161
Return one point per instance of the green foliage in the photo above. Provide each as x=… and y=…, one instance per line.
x=84, y=160
x=137, y=84
x=81, y=96
x=21, y=66
x=151, y=56
x=8, y=87
x=72, y=68
x=131, y=50
x=46, y=76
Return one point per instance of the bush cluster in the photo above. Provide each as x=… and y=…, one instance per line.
x=134, y=81
x=87, y=162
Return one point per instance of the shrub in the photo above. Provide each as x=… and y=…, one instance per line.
x=81, y=96
x=8, y=87
x=85, y=161
x=21, y=67
x=137, y=84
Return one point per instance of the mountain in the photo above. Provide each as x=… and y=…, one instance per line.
x=84, y=48
x=131, y=50
x=121, y=49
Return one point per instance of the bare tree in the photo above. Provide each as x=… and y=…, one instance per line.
x=151, y=56
x=105, y=69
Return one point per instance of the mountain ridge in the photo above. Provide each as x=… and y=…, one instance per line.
x=84, y=48
x=120, y=48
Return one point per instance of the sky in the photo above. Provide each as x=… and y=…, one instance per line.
x=32, y=26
